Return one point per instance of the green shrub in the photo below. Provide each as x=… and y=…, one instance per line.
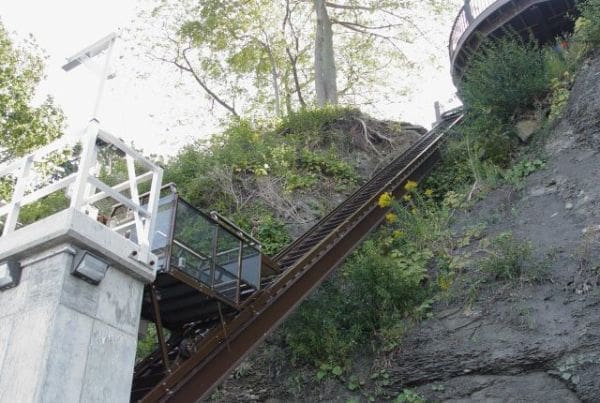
x=453, y=172
x=372, y=295
x=272, y=234
x=327, y=164
x=523, y=169
x=226, y=173
x=44, y=207
x=323, y=329
x=387, y=286
x=504, y=76
x=587, y=27
x=491, y=139
x=313, y=122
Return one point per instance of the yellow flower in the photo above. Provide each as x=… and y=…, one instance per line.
x=397, y=234
x=407, y=198
x=428, y=192
x=414, y=211
x=445, y=282
x=410, y=186
x=391, y=218
x=385, y=200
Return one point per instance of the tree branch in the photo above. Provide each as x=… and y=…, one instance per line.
x=357, y=28
x=345, y=7
x=202, y=84
x=366, y=27
x=293, y=59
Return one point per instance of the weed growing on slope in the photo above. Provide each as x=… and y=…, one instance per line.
x=408, y=396
x=512, y=259
x=521, y=170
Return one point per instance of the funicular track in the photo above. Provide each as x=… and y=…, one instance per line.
x=305, y=263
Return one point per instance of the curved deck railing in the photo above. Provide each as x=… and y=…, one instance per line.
x=478, y=19
x=464, y=20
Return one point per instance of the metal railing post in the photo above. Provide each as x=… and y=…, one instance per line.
x=214, y=257
x=18, y=193
x=81, y=190
x=239, y=272
x=468, y=12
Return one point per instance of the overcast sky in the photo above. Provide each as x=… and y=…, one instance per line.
x=151, y=113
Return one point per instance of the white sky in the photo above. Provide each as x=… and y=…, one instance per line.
x=151, y=112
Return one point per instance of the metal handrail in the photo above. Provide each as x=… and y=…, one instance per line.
x=85, y=187
x=464, y=19
x=233, y=227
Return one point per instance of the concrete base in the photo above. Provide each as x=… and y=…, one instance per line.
x=61, y=338
x=65, y=340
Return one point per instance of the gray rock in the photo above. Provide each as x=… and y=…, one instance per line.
x=526, y=128
x=537, y=191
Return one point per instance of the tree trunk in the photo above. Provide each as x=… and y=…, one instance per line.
x=325, y=73
x=275, y=82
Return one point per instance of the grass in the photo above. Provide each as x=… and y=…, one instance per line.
x=513, y=259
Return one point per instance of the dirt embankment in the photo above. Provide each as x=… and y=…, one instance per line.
x=529, y=342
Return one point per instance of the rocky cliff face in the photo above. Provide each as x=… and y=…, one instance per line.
x=528, y=341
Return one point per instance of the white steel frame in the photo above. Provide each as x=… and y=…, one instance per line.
x=85, y=188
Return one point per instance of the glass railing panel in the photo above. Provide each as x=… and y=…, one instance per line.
x=212, y=255
x=162, y=229
x=191, y=263
x=251, y=262
x=122, y=221
x=194, y=230
x=228, y=251
x=226, y=283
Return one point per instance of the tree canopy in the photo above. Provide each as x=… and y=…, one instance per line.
x=258, y=57
x=23, y=126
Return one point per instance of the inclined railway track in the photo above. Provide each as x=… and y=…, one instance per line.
x=306, y=263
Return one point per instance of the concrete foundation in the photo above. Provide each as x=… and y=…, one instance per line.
x=61, y=338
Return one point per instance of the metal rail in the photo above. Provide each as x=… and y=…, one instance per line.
x=466, y=16
x=308, y=261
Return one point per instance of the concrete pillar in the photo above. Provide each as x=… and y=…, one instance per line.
x=63, y=339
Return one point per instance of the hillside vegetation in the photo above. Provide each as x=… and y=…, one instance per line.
x=278, y=180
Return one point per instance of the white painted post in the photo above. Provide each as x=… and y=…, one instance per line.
x=18, y=193
x=68, y=326
x=153, y=199
x=103, y=78
x=88, y=161
x=135, y=197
